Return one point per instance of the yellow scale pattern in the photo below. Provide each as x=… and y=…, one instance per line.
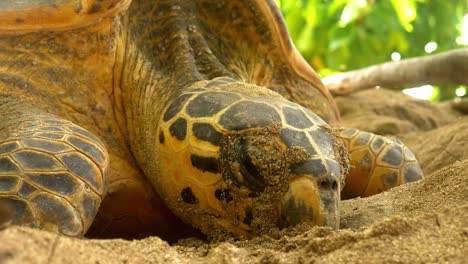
x=377, y=164
x=179, y=143
x=53, y=172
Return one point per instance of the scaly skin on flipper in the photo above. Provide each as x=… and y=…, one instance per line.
x=377, y=164
x=52, y=172
x=154, y=82
x=70, y=74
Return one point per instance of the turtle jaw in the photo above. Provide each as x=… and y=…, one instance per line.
x=310, y=200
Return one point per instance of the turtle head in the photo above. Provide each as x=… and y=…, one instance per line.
x=242, y=159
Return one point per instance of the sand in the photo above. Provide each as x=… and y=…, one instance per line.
x=422, y=222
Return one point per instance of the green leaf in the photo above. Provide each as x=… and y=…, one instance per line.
x=339, y=35
x=352, y=11
x=406, y=11
x=336, y=6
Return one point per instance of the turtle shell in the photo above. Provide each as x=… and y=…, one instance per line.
x=18, y=17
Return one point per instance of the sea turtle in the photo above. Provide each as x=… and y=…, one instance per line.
x=154, y=111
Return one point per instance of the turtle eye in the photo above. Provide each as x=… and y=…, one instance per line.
x=328, y=184
x=249, y=168
x=253, y=179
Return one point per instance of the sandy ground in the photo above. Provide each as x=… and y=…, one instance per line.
x=422, y=222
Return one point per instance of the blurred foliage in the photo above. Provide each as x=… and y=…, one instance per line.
x=342, y=35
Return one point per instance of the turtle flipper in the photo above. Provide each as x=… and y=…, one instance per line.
x=52, y=172
x=377, y=164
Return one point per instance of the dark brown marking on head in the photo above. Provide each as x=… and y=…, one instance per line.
x=210, y=103
x=363, y=139
x=313, y=167
x=365, y=164
x=413, y=172
x=61, y=183
x=206, y=132
x=390, y=179
x=161, y=137
x=188, y=196
x=293, y=213
x=393, y=156
x=323, y=141
x=33, y=160
x=248, y=215
x=316, y=119
x=349, y=132
x=377, y=143
x=297, y=138
x=19, y=20
x=334, y=168
x=296, y=118
x=248, y=114
x=6, y=165
x=175, y=107
x=178, y=129
x=205, y=163
x=223, y=195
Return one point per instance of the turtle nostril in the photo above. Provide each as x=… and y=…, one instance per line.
x=328, y=184
x=324, y=184
x=334, y=185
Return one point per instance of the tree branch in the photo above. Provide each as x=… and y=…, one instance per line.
x=445, y=67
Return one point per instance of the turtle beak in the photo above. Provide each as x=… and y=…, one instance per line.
x=310, y=200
